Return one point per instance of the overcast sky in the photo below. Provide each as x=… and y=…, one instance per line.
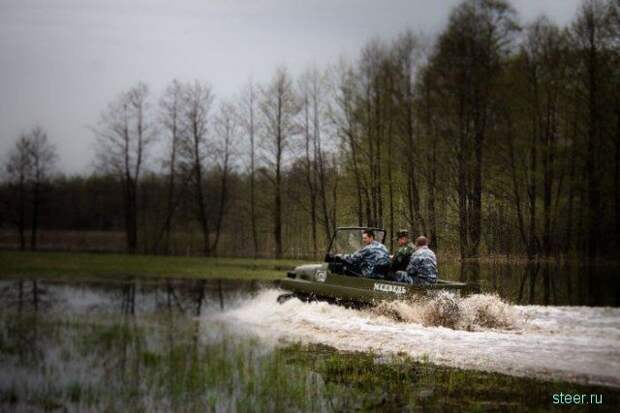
x=62, y=61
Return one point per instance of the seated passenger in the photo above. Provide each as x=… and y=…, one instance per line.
x=372, y=260
x=400, y=260
x=422, y=268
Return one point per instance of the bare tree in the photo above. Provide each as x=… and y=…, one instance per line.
x=19, y=174
x=372, y=124
x=29, y=169
x=309, y=142
x=197, y=102
x=170, y=118
x=248, y=119
x=318, y=100
x=430, y=119
x=279, y=107
x=43, y=158
x=407, y=57
x=123, y=136
x=343, y=116
x=226, y=131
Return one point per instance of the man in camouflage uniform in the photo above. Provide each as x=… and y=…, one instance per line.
x=371, y=260
x=422, y=268
x=400, y=260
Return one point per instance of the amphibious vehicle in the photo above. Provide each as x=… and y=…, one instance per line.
x=334, y=281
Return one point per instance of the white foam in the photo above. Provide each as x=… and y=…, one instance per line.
x=579, y=344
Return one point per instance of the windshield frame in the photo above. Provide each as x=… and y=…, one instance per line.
x=377, y=231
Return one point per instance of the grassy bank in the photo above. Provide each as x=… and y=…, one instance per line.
x=71, y=264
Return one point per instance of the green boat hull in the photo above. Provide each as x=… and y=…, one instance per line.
x=316, y=282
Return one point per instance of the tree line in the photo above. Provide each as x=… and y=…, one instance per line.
x=495, y=138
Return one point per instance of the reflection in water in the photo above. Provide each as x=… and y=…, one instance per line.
x=543, y=283
x=192, y=345
x=135, y=346
x=102, y=345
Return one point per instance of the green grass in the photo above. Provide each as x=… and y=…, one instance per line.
x=72, y=265
x=402, y=384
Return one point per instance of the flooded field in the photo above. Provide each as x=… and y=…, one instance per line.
x=227, y=346
x=566, y=343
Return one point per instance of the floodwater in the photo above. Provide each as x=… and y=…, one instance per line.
x=567, y=343
x=226, y=346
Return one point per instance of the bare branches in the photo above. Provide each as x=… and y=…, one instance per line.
x=279, y=106
x=123, y=134
x=29, y=168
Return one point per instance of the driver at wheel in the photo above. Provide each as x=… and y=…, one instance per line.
x=371, y=260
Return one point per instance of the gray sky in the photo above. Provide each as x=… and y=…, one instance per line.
x=62, y=61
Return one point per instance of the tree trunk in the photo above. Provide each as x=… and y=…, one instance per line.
x=323, y=194
x=171, y=188
x=169, y=216
x=253, y=204
x=515, y=186
x=252, y=176
x=223, y=198
x=358, y=180
x=475, y=222
x=35, y=214
x=592, y=192
x=432, y=214
x=548, y=177
x=21, y=220
x=532, y=244
x=335, y=197
x=568, y=242
x=202, y=210
x=277, y=210
x=462, y=195
x=413, y=194
x=130, y=213
x=432, y=171
x=310, y=169
x=390, y=187
x=617, y=177
x=172, y=210
x=220, y=213
x=370, y=197
x=133, y=216
x=378, y=182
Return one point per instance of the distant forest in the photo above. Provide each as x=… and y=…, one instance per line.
x=495, y=138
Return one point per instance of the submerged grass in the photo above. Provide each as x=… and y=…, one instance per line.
x=171, y=362
x=68, y=265
x=372, y=382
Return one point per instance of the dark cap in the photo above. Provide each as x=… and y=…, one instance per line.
x=401, y=233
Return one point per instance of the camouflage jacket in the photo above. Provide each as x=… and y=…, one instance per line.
x=368, y=257
x=401, y=257
x=423, y=263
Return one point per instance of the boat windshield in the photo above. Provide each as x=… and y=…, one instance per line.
x=348, y=241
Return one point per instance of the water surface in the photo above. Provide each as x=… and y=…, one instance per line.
x=227, y=346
